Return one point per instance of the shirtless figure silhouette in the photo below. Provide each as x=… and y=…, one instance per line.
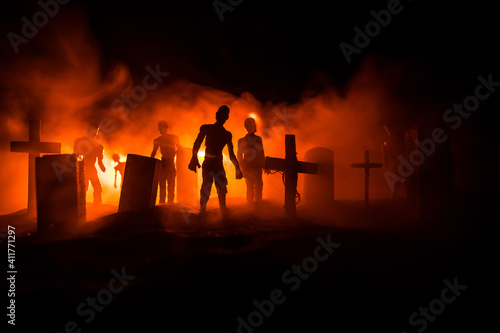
x=169, y=147
x=217, y=137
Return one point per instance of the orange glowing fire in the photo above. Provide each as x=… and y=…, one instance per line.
x=71, y=89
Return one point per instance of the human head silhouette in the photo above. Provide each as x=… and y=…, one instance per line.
x=163, y=126
x=250, y=125
x=222, y=114
x=116, y=158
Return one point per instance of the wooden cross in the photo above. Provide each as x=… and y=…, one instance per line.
x=34, y=147
x=291, y=168
x=367, y=166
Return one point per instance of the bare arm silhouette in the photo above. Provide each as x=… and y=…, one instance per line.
x=233, y=159
x=196, y=147
x=261, y=154
x=99, y=161
x=155, y=148
x=179, y=152
x=239, y=151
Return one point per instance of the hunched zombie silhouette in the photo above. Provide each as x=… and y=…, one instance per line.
x=216, y=138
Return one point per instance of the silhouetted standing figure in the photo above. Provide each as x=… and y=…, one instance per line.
x=217, y=137
x=167, y=144
x=119, y=168
x=251, y=158
x=91, y=152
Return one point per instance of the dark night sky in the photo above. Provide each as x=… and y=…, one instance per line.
x=271, y=48
x=277, y=49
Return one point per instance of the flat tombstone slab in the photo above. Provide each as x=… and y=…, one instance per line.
x=319, y=188
x=140, y=183
x=430, y=184
x=60, y=191
x=187, y=181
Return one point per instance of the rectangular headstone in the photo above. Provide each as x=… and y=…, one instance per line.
x=430, y=185
x=60, y=191
x=319, y=188
x=140, y=183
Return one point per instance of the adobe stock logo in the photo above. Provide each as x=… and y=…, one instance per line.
x=278, y=123
x=221, y=7
x=454, y=117
x=293, y=278
x=138, y=93
x=29, y=30
x=372, y=29
x=426, y=315
x=88, y=310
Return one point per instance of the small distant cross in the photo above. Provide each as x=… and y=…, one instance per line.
x=367, y=166
x=34, y=147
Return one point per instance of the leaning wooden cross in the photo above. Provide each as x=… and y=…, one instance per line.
x=291, y=167
x=367, y=166
x=34, y=147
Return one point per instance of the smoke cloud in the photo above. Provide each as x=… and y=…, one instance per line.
x=67, y=84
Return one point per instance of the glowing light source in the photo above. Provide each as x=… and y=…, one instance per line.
x=256, y=117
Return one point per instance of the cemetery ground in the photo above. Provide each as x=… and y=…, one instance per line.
x=165, y=270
